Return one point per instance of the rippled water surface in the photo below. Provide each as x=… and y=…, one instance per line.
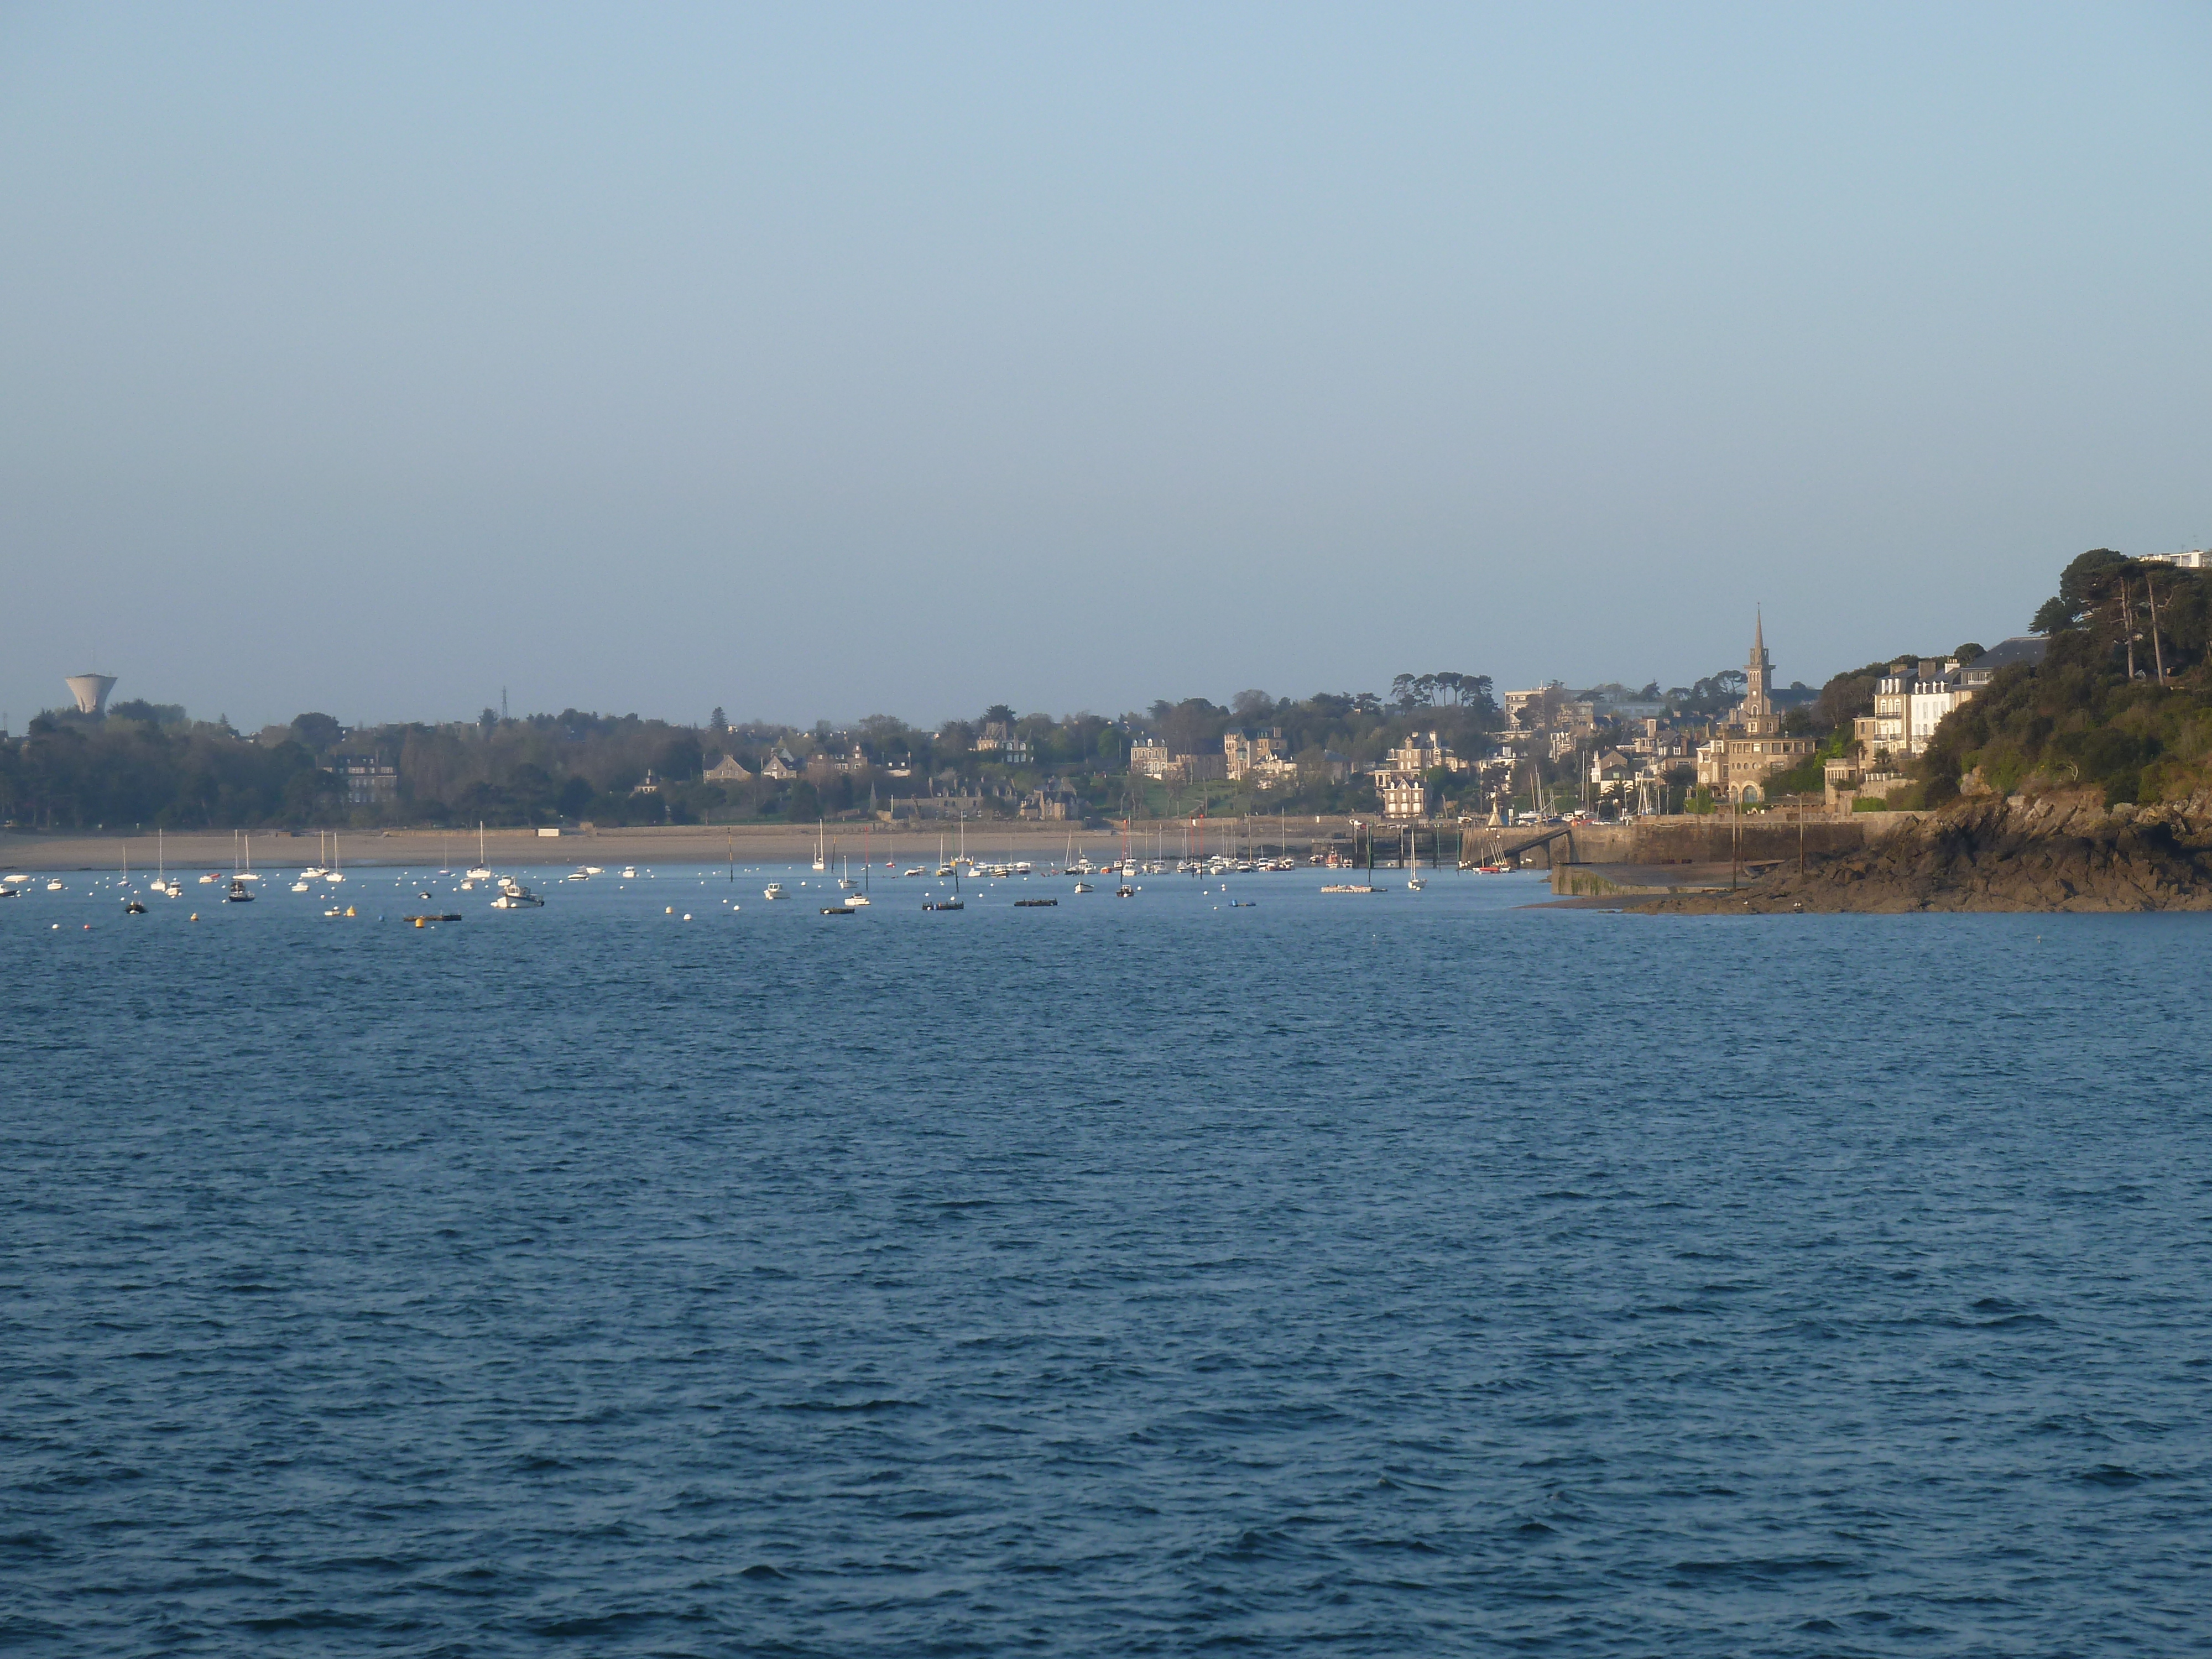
x=1391, y=1275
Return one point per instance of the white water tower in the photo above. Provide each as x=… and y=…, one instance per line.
x=90, y=691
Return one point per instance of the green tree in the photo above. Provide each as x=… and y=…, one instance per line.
x=319, y=732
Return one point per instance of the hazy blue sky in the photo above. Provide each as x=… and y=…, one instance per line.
x=819, y=361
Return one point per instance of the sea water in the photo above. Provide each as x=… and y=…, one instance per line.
x=671, y=1271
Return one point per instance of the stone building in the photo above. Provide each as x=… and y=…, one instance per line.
x=1749, y=745
x=369, y=782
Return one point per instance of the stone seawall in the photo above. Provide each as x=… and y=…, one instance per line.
x=1766, y=837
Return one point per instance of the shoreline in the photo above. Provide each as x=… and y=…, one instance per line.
x=215, y=849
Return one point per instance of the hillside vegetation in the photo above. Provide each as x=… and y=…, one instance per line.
x=2121, y=702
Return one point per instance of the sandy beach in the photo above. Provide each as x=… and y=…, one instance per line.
x=677, y=844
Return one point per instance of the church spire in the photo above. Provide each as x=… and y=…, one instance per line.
x=1756, y=713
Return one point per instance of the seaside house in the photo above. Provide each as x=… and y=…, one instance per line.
x=1424, y=751
x=1265, y=757
x=1149, y=758
x=1053, y=803
x=1404, y=794
x=369, y=782
x=1911, y=700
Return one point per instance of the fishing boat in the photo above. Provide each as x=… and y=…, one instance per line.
x=1083, y=887
x=774, y=890
x=240, y=893
x=514, y=895
x=1367, y=886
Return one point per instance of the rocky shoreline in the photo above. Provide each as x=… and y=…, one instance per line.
x=2053, y=852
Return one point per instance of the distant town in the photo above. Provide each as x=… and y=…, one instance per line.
x=1438, y=747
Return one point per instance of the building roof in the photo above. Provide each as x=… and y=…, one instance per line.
x=2025, y=647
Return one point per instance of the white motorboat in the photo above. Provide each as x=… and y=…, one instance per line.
x=300, y=886
x=629, y=873
x=210, y=879
x=855, y=898
x=774, y=890
x=1083, y=887
x=53, y=887
x=578, y=875
x=594, y=870
x=515, y=896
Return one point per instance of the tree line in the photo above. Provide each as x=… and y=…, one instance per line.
x=145, y=764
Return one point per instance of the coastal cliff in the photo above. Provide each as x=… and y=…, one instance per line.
x=2061, y=851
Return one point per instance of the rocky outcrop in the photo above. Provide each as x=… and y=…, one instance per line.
x=2051, y=851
